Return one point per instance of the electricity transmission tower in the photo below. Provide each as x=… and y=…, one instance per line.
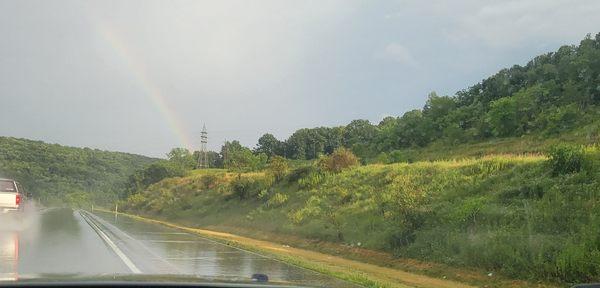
x=203, y=156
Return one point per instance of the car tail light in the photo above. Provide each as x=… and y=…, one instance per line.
x=18, y=200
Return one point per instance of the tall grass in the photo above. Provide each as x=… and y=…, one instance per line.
x=509, y=214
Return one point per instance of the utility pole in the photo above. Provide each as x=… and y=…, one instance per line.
x=203, y=157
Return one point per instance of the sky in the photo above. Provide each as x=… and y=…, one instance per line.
x=145, y=76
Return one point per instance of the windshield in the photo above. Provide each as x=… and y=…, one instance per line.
x=314, y=143
x=7, y=186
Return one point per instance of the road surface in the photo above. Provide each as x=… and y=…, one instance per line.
x=75, y=243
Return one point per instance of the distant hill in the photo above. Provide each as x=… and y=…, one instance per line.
x=60, y=174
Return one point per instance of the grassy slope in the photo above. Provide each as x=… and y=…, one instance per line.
x=503, y=214
x=528, y=144
x=52, y=172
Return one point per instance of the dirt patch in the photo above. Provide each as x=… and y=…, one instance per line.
x=384, y=259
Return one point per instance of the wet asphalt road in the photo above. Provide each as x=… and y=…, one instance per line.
x=75, y=244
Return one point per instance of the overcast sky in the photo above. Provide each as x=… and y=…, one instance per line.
x=143, y=76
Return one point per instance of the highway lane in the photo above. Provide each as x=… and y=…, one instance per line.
x=78, y=243
x=54, y=241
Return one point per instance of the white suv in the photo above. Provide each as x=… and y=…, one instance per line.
x=12, y=196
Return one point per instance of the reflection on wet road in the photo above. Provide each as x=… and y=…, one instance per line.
x=53, y=242
x=61, y=241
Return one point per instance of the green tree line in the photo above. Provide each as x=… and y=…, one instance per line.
x=552, y=93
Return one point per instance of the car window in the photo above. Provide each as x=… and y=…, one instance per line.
x=7, y=186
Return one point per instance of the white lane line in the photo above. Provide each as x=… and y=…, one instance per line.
x=139, y=242
x=112, y=245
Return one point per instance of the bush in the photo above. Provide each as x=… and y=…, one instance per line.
x=249, y=187
x=209, y=181
x=398, y=156
x=300, y=173
x=278, y=167
x=339, y=160
x=312, y=180
x=277, y=199
x=565, y=159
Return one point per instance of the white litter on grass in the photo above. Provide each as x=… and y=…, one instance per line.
x=490, y=274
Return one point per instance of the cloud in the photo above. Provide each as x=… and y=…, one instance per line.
x=509, y=24
x=398, y=53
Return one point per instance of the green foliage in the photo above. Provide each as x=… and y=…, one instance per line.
x=278, y=167
x=277, y=200
x=250, y=187
x=182, y=157
x=566, y=159
x=503, y=117
x=518, y=214
x=57, y=174
x=154, y=173
x=241, y=159
x=269, y=145
x=300, y=172
x=503, y=214
x=311, y=180
x=339, y=160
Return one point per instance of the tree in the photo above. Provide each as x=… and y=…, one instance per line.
x=358, y=132
x=154, y=173
x=503, y=117
x=333, y=138
x=278, y=167
x=414, y=130
x=183, y=157
x=306, y=143
x=269, y=145
x=437, y=108
x=239, y=158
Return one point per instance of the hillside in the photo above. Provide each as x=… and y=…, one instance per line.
x=512, y=215
x=58, y=174
x=502, y=177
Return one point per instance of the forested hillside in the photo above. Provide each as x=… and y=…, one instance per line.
x=67, y=175
x=553, y=94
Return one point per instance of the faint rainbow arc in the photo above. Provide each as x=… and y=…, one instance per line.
x=158, y=100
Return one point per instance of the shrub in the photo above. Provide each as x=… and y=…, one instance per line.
x=300, y=172
x=249, y=187
x=277, y=200
x=565, y=159
x=398, y=156
x=312, y=180
x=278, y=167
x=339, y=160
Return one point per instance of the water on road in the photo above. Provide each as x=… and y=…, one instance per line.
x=76, y=243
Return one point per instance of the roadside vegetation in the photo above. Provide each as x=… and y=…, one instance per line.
x=530, y=217
x=503, y=177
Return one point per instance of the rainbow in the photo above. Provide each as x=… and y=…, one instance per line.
x=154, y=94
